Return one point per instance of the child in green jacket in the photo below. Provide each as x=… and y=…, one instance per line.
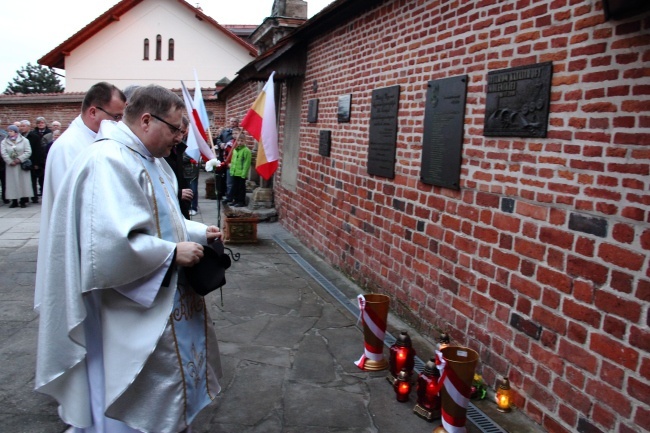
x=240, y=164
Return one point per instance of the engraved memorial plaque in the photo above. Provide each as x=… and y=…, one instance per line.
x=444, y=125
x=324, y=142
x=345, y=101
x=518, y=101
x=618, y=9
x=312, y=112
x=383, y=131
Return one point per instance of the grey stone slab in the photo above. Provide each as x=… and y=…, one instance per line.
x=255, y=386
x=17, y=309
x=277, y=356
x=282, y=297
x=248, y=306
x=285, y=331
x=245, y=332
x=315, y=406
x=32, y=423
x=11, y=235
x=346, y=345
x=9, y=243
x=313, y=362
x=311, y=305
x=333, y=317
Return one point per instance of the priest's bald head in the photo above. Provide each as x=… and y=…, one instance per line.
x=155, y=115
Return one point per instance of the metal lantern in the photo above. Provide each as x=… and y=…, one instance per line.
x=428, y=396
x=402, y=357
x=504, y=396
x=402, y=386
x=443, y=341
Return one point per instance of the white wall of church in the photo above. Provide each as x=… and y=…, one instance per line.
x=116, y=53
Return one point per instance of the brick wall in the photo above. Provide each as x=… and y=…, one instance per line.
x=540, y=261
x=241, y=100
x=64, y=112
x=13, y=108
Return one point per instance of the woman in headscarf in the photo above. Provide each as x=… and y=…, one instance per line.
x=15, y=149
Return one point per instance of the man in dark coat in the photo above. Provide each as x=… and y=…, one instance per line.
x=175, y=161
x=38, y=159
x=3, y=135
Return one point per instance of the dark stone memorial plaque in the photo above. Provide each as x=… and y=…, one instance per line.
x=345, y=102
x=518, y=101
x=383, y=131
x=618, y=9
x=444, y=126
x=324, y=143
x=312, y=112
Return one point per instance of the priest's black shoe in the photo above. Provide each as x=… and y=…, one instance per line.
x=14, y=204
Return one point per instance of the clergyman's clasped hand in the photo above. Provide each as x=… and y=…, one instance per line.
x=188, y=253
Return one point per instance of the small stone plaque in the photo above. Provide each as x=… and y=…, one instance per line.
x=618, y=9
x=312, y=113
x=324, y=143
x=518, y=101
x=345, y=102
x=383, y=131
x=444, y=126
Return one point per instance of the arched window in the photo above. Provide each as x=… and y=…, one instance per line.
x=158, y=47
x=146, y=49
x=170, y=55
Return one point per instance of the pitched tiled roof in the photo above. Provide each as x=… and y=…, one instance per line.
x=56, y=57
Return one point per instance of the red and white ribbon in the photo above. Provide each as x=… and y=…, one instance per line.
x=377, y=326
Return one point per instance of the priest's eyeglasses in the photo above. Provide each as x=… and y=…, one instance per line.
x=117, y=117
x=174, y=129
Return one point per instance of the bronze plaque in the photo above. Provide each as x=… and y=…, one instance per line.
x=324, y=142
x=444, y=126
x=312, y=112
x=518, y=101
x=383, y=131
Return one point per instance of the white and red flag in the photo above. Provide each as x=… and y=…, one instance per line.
x=197, y=139
x=260, y=122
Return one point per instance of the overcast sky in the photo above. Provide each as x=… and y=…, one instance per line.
x=32, y=28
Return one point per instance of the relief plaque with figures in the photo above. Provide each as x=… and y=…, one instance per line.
x=518, y=101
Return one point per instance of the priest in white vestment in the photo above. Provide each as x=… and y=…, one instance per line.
x=125, y=345
x=102, y=102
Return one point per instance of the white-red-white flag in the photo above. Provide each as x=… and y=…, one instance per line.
x=197, y=140
x=260, y=122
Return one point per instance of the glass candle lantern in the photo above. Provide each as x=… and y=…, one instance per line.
x=504, y=396
x=428, y=396
x=402, y=386
x=402, y=356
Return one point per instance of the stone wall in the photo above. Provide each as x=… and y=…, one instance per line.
x=540, y=261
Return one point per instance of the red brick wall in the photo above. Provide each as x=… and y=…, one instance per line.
x=241, y=101
x=63, y=112
x=554, y=294
x=66, y=112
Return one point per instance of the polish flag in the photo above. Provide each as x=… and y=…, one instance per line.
x=260, y=123
x=196, y=137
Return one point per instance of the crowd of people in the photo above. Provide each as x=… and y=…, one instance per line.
x=117, y=193
x=22, y=167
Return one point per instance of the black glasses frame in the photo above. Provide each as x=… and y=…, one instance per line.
x=116, y=117
x=174, y=129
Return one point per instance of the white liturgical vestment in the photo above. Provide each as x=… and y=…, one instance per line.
x=124, y=344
